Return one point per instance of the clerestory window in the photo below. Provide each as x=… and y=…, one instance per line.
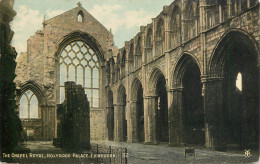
x=79, y=63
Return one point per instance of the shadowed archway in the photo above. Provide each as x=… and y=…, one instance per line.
x=120, y=114
x=234, y=61
x=188, y=103
x=110, y=116
x=138, y=110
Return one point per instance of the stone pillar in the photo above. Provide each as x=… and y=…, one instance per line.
x=108, y=120
x=150, y=114
x=176, y=127
x=118, y=122
x=133, y=133
x=202, y=7
x=220, y=14
x=214, y=114
x=153, y=37
x=229, y=12
x=167, y=34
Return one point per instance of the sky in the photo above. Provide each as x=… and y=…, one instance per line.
x=123, y=17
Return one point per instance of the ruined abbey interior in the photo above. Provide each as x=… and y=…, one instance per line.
x=189, y=77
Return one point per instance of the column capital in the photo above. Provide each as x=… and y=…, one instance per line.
x=206, y=79
x=132, y=101
x=150, y=96
x=175, y=89
x=119, y=104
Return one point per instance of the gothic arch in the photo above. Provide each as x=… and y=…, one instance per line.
x=175, y=26
x=216, y=61
x=123, y=60
x=35, y=88
x=236, y=53
x=120, y=115
x=180, y=66
x=155, y=75
x=187, y=87
x=80, y=36
x=110, y=114
x=121, y=93
x=134, y=88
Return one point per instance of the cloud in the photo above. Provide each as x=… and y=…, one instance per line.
x=24, y=25
x=108, y=15
x=53, y=13
x=114, y=16
x=137, y=18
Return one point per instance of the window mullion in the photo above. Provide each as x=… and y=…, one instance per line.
x=91, y=84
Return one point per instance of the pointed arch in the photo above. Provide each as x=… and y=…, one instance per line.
x=179, y=69
x=136, y=84
x=35, y=88
x=155, y=75
x=80, y=36
x=227, y=42
x=80, y=16
x=121, y=95
x=175, y=26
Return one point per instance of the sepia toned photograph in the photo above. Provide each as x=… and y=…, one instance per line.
x=129, y=81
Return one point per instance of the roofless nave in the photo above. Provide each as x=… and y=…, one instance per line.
x=176, y=81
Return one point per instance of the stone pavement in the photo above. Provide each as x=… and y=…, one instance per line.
x=156, y=154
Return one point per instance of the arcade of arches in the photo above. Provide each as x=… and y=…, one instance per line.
x=190, y=77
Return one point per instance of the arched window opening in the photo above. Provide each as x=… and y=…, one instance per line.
x=118, y=67
x=123, y=64
x=113, y=70
x=160, y=38
x=131, y=57
x=192, y=23
x=80, y=16
x=29, y=106
x=79, y=63
x=108, y=73
x=239, y=82
x=149, y=45
x=175, y=28
x=138, y=53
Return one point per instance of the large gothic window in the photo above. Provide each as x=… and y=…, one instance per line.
x=28, y=106
x=79, y=63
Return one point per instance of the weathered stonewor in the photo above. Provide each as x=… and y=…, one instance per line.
x=73, y=119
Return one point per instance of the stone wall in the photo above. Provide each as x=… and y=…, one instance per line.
x=213, y=21
x=73, y=119
x=40, y=64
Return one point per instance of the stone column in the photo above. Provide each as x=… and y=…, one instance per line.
x=175, y=118
x=108, y=120
x=214, y=114
x=153, y=37
x=229, y=9
x=118, y=122
x=132, y=135
x=150, y=114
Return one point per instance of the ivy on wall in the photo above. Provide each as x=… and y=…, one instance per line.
x=10, y=124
